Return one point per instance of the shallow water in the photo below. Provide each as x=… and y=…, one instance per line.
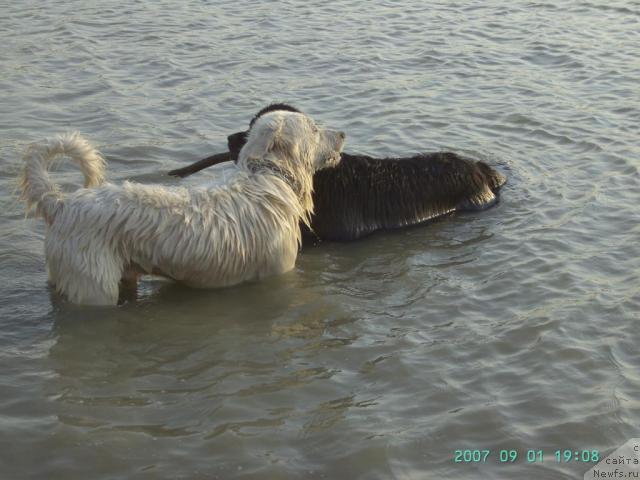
x=515, y=328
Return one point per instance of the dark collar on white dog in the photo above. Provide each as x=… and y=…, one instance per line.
x=278, y=172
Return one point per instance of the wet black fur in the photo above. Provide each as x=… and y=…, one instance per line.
x=365, y=194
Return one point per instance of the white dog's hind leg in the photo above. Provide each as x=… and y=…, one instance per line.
x=85, y=276
x=85, y=290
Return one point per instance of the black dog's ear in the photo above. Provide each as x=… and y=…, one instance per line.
x=236, y=141
x=273, y=107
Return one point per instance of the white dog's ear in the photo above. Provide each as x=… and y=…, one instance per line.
x=263, y=138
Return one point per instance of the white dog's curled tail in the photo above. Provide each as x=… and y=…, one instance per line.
x=37, y=188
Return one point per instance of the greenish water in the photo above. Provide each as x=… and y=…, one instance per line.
x=512, y=329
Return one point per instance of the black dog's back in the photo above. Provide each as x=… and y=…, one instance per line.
x=364, y=194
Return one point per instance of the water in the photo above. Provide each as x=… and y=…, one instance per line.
x=515, y=328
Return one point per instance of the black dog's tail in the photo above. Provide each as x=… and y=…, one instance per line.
x=494, y=178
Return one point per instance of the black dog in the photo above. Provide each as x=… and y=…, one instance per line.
x=364, y=194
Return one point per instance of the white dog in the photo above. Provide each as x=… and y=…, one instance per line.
x=205, y=237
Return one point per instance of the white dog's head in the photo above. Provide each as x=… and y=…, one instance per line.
x=292, y=146
x=292, y=137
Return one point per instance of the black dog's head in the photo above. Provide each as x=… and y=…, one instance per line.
x=236, y=141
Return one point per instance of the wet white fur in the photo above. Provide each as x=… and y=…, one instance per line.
x=209, y=236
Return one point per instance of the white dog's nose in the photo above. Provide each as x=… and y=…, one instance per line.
x=342, y=135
